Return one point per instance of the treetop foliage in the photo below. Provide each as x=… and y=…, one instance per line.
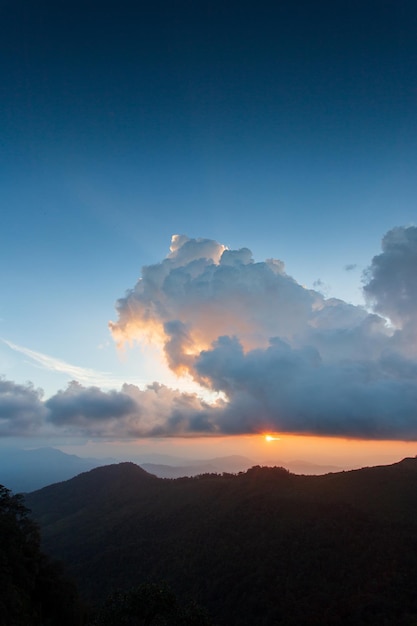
x=33, y=588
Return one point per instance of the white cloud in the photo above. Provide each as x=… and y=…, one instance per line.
x=205, y=291
x=283, y=358
x=82, y=374
x=287, y=358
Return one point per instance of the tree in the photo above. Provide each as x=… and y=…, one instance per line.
x=149, y=604
x=33, y=588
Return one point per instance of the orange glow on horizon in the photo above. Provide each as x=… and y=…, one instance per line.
x=259, y=449
x=271, y=438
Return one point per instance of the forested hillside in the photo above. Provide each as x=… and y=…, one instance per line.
x=33, y=589
x=263, y=547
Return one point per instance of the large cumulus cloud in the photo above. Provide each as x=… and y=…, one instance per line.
x=202, y=291
x=282, y=357
x=285, y=357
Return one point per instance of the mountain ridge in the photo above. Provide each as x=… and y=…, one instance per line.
x=26, y=470
x=231, y=540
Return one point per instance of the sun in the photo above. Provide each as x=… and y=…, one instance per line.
x=271, y=438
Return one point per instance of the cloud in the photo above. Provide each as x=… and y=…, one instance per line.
x=22, y=411
x=132, y=412
x=279, y=388
x=82, y=374
x=202, y=291
x=391, y=280
x=78, y=410
x=294, y=390
x=85, y=407
x=186, y=302
x=285, y=357
x=281, y=357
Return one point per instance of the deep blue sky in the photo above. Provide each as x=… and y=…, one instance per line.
x=286, y=127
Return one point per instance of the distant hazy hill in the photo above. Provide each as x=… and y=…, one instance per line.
x=173, y=471
x=26, y=470
x=231, y=464
x=218, y=465
x=264, y=547
x=305, y=467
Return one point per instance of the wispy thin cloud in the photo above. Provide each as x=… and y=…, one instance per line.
x=82, y=374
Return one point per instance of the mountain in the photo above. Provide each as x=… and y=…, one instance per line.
x=27, y=470
x=218, y=465
x=262, y=547
x=235, y=463
x=173, y=471
x=305, y=467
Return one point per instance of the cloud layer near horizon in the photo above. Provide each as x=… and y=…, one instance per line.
x=284, y=358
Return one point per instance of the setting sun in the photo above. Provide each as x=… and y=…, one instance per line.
x=271, y=438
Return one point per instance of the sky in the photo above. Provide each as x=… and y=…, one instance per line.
x=208, y=227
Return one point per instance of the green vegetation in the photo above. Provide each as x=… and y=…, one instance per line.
x=263, y=547
x=34, y=590
x=149, y=605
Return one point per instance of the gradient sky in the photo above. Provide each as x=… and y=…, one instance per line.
x=287, y=128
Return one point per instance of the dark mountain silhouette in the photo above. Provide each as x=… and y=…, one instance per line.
x=262, y=547
x=27, y=470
